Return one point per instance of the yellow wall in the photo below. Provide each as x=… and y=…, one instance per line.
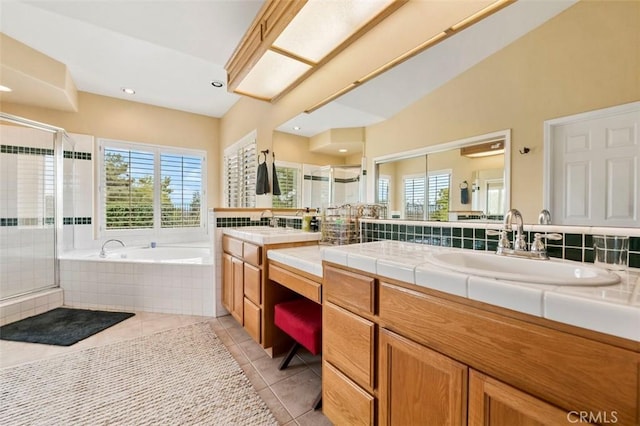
x=585, y=58
x=105, y=117
x=295, y=149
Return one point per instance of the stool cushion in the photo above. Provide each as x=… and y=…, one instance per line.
x=302, y=320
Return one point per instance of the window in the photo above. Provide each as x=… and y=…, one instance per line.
x=150, y=187
x=438, y=195
x=414, y=198
x=240, y=167
x=289, y=179
x=383, y=190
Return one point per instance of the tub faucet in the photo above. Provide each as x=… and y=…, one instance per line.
x=103, y=253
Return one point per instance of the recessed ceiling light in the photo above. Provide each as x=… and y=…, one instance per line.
x=217, y=83
x=342, y=150
x=128, y=90
x=4, y=88
x=296, y=127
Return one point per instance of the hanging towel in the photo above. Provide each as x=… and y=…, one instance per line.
x=274, y=180
x=464, y=195
x=262, y=180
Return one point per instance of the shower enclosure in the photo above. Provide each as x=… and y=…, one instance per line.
x=33, y=157
x=335, y=185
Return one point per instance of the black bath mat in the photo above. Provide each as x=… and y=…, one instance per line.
x=61, y=326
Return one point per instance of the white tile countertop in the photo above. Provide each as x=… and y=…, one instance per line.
x=613, y=309
x=266, y=235
x=307, y=258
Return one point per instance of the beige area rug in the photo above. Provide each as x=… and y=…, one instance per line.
x=184, y=376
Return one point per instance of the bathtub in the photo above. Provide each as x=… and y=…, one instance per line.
x=176, y=279
x=160, y=254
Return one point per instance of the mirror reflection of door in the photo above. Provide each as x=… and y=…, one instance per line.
x=495, y=197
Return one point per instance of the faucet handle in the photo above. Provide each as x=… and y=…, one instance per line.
x=503, y=241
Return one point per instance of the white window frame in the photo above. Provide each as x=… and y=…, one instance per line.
x=157, y=225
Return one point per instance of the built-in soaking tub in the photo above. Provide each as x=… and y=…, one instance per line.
x=169, y=279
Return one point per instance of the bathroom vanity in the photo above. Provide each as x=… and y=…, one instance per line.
x=246, y=292
x=407, y=342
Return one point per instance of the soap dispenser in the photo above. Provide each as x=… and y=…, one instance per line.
x=306, y=220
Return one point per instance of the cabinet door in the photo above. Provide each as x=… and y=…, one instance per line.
x=494, y=403
x=227, y=282
x=419, y=386
x=238, y=289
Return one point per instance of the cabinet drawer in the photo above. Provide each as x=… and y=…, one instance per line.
x=252, y=254
x=301, y=285
x=232, y=246
x=252, y=319
x=344, y=402
x=348, y=343
x=349, y=290
x=252, y=283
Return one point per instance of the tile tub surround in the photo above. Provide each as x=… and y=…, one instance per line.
x=576, y=244
x=612, y=309
x=148, y=287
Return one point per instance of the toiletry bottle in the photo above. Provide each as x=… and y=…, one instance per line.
x=314, y=223
x=306, y=220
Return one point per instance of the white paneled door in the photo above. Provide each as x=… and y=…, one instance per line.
x=593, y=166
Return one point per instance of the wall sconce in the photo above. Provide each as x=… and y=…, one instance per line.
x=289, y=40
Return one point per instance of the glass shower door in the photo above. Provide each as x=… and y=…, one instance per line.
x=27, y=210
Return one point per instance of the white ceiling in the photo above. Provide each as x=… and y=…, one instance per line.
x=170, y=50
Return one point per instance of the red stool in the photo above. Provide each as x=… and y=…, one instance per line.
x=302, y=320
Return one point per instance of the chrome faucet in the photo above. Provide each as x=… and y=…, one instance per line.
x=519, y=241
x=273, y=221
x=103, y=253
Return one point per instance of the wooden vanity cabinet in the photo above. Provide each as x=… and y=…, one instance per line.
x=242, y=283
x=445, y=360
x=249, y=295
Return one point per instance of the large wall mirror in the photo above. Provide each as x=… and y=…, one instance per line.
x=466, y=179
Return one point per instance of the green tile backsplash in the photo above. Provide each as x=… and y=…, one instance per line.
x=578, y=247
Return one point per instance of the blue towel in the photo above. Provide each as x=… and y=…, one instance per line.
x=464, y=195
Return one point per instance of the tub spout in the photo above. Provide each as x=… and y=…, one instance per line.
x=103, y=253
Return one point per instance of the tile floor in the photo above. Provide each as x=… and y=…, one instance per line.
x=288, y=393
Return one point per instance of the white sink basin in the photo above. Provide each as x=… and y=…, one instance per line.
x=552, y=271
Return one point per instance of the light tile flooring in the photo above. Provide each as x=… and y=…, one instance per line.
x=289, y=393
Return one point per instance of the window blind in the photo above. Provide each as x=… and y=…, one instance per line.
x=240, y=166
x=414, y=198
x=383, y=191
x=181, y=183
x=128, y=188
x=438, y=196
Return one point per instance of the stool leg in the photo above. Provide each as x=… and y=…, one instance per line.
x=290, y=355
x=318, y=401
